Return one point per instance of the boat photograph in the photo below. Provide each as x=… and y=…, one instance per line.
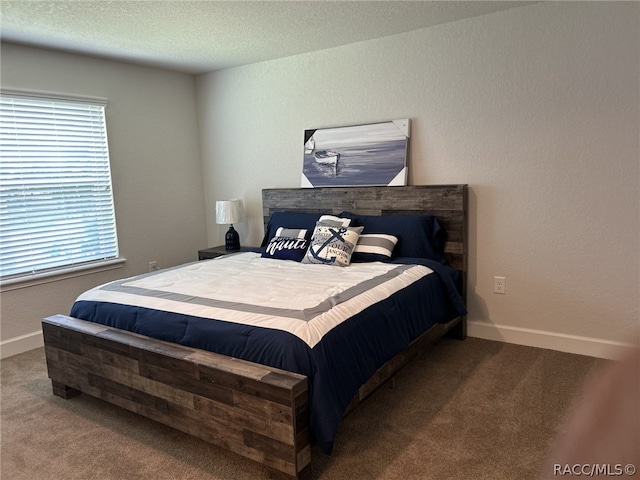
x=360, y=155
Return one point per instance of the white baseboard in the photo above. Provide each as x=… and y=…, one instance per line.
x=21, y=344
x=592, y=347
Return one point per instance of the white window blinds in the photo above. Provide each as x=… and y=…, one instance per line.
x=56, y=203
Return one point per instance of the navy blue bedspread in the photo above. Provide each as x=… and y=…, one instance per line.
x=336, y=367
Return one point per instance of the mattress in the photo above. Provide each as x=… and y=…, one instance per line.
x=336, y=325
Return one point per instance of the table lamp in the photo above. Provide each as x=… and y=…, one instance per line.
x=230, y=211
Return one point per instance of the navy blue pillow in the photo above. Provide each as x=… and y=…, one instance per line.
x=419, y=236
x=285, y=248
x=289, y=220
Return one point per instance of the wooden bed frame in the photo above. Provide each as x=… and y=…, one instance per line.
x=253, y=410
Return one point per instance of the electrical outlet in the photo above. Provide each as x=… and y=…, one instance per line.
x=500, y=285
x=153, y=266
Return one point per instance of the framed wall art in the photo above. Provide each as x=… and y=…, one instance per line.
x=362, y=155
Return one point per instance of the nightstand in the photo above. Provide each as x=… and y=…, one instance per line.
x=218, y=251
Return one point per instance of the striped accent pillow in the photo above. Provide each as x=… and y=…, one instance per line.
x=291, y=232
x=374, y=247
x=335, y=221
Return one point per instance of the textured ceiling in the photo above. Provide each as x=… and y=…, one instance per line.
x=202, y=36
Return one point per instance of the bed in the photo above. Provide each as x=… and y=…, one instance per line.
x=270, y=406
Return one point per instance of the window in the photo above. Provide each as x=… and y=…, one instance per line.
x=56, y=203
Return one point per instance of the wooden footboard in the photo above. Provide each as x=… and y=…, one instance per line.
x=258, y=412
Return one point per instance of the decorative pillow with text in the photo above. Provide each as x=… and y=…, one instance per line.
x=286, y=248
x=332, y=245
x=333, y=220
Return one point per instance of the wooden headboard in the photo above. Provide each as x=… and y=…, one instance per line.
x=447, y=202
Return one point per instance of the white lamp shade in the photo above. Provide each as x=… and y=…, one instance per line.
x=229, y=211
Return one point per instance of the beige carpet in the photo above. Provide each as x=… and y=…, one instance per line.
x=466, y=410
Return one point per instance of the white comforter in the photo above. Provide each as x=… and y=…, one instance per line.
x=305, y=300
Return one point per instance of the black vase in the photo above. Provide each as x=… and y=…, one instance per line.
x=232, y=239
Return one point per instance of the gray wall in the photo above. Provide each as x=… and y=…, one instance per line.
x=536, y=108
x=156, y=170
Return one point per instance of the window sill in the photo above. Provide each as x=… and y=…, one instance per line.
x=63, y=274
